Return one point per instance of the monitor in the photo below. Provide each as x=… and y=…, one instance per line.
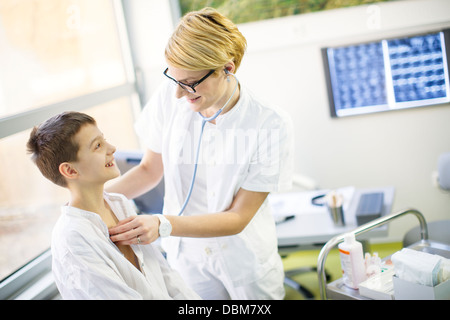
x=390, y=74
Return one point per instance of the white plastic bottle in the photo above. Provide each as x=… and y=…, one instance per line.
x=352, y=261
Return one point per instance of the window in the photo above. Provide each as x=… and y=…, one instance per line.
x=253, y=10
x=56, y=55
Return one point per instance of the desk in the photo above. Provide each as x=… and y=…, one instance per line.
x=312, y=224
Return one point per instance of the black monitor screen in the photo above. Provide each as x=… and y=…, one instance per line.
x=388, y=74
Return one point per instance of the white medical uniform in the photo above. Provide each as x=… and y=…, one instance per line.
x=249, y=147
x=87, y=265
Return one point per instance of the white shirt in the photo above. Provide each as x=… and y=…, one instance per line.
x=198, y=201
x=249, y=147
x=87, y=265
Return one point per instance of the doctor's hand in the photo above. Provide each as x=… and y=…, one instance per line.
x=142, y=229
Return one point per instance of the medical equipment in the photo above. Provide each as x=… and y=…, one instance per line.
x=444, y=171
x=325, y=289
x=418, y=267
x=372, y=264
x=370, y=207
x=404, y=72
x=204, y=121
x=336, y=289
x=352, y=261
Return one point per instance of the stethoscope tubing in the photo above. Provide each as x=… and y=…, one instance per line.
x=204, y=121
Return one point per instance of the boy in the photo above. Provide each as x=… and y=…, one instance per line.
x=71, y=151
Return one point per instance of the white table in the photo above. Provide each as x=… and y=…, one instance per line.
x=312, y=225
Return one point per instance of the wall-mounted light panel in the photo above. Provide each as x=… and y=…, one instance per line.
x=390, y=74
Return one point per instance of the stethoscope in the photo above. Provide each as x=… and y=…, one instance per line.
x=204, y=121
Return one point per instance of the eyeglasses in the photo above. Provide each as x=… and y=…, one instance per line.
x=189, y=88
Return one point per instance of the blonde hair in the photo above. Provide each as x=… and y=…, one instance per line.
x=205, y=40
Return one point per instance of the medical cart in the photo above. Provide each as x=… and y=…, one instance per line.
x=336, y=289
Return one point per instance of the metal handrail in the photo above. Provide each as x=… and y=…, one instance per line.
x=362, y=229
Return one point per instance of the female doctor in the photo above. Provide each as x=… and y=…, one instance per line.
x=203, y=125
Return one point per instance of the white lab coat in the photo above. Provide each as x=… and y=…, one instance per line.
x=250, y=147
x=87, y=265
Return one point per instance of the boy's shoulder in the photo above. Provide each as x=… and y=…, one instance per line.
x=115, y=196
x=75, y=228
x=120, y=205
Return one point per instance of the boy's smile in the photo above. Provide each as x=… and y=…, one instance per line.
x=93, y=154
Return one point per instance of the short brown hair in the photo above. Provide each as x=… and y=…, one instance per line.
x=52, y=143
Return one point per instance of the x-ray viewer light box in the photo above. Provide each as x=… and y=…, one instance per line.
x=390, y=74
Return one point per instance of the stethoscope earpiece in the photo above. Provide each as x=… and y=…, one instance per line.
x=228, y=74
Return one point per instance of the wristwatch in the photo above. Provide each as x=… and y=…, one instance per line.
x=165, y=228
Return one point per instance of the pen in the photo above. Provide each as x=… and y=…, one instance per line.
x=285, y=219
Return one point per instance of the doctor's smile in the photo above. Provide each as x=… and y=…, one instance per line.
x=192, y=100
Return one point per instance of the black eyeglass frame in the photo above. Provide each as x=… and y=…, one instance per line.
x=192, y=86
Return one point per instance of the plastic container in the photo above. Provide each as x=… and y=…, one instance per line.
x=372, y=264
x=352, y=261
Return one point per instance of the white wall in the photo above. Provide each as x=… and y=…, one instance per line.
x=283, y=66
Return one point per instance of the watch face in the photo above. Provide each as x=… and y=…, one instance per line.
x=165, y=229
